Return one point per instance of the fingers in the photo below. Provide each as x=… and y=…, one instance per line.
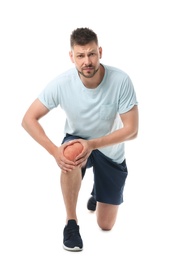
x=63, y=163
x=66, y=165
x=83, y=155
x=66, y=168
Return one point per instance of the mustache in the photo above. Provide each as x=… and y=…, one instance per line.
x=88, y=66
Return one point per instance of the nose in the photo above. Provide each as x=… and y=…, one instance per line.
x=87, y=61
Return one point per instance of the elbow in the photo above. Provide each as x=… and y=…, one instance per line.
x=134, y=134
x=23, y=123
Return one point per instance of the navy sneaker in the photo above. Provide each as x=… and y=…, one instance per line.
x=91, y=204
x=72, y=240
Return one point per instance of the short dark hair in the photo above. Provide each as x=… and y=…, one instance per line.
x=82, y=36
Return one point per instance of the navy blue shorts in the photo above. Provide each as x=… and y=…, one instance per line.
x=109, y=176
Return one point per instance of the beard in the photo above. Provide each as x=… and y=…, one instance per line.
x=89, y=73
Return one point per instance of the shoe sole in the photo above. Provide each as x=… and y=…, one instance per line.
x=74, y=249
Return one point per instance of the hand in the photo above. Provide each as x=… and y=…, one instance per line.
x=64, y=164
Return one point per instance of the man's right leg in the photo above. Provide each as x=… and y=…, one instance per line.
x=70, y=185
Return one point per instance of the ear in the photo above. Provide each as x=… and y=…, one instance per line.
x=71, y=56
x=100, y=52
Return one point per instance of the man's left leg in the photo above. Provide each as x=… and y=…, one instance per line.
x=106, y=215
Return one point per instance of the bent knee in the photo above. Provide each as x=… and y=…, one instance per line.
x=106, y=226
x=106, y=215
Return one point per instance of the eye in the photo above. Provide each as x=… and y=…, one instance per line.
x=91, y=54
x=80, y=56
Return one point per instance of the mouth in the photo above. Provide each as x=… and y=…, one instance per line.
x=88, y=68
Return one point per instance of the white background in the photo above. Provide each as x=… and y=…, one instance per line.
x=136, y=36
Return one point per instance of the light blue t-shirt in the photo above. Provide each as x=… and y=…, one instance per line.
x=92, y=113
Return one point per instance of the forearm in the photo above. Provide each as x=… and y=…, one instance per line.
x=36, y=131
x=129, y=131
x=116, y=137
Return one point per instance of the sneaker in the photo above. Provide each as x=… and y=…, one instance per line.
x=91, y=204
x=72, y=239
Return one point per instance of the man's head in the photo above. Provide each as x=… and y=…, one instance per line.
x=85, y=52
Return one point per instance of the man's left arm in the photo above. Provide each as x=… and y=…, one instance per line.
x=129, y=131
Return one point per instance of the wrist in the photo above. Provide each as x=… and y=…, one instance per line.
x=52, y=150
x=93, y=144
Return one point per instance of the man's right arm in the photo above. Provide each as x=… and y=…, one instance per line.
x=31, y=124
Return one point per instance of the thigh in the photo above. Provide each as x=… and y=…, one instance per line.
x=106, y=215
x=109, y=179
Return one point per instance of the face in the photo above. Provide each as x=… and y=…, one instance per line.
x=86, y=59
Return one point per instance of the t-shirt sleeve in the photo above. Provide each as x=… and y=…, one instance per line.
x=127, y=96
x=50, y=96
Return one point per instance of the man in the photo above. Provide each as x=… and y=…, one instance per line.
x=101, y=113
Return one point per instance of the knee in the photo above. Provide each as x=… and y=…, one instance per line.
x=73, y=150
x=106, y=215
x=104, y=225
